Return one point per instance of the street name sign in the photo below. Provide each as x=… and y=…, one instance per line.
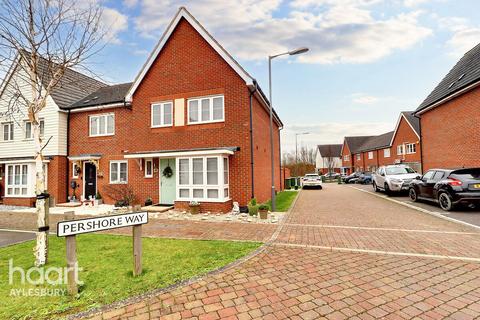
x=74, y=227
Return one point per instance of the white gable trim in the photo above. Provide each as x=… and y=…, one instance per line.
x=398, y=124
x=183, y=13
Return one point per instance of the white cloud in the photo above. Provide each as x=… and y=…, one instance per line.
x=364, y=99
x=464, y=35
x=130, y=3
x=414, y=3
x=336, y=31
x=330, y=132
x=113, y=22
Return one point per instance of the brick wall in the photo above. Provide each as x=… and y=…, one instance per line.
x=186, y=67
x=349, y=163
x=57, y=178
x=451, y=133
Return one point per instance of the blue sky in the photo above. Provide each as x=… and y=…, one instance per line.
x=368, y=59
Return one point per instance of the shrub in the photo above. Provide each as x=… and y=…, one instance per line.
x=122, y=194
x=98, y=196
x=252, y=210
x=263, y=207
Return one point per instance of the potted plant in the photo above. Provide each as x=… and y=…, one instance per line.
x=98, y=198
x=148, y=202
x=194, y=207
x=253, y=207
x=263, y=211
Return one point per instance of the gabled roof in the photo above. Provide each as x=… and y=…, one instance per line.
x=464, y=74
x=183, y=13
x=354, y=143
x=72, y=87
x=103, y=96
x=377, y=142
x=330, y=150
x=411, y=120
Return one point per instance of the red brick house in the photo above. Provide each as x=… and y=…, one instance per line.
x=193, y=125
x=367, y=153
x=450, y=117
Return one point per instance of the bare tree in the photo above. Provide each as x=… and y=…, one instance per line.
x=301, y=163
x=39, y=41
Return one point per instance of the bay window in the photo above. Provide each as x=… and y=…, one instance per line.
x=118, y=172
x=206, y=109
x=17, y=180
x=203, y=178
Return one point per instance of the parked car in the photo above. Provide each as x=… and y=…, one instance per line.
x=352, y=178
x=365, y=178
x=312, y=180
x=331, y=175
x=393, y=178
x=448, y=188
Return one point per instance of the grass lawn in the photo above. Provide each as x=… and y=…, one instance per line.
x=283, y=200
x=107, y=270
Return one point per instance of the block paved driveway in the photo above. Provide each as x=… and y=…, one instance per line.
x=340, y=254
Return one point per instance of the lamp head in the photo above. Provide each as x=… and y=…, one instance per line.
x=298, y=51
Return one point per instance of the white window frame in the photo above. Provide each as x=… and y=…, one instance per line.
x=42, y=129
x=386, y=153
x=149, y=160
x=400, y=150
x=117, y=163
x=199, y=112
x=20, y=186
x=162, y=114
x=358, y=157
x=410, y=148
x=74, y=172
x=221, y=186
x=11, y=131
x=98, y=116
x=346, y=157
x=370, y=154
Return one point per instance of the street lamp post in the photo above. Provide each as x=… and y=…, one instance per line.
x=272, y=162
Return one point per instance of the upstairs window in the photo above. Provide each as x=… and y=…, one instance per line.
x=29, y=129
x=370, y=155
x=346, y=157
x=162, y=114
x=205, y=110
x=386, y=153
x=400, y=150
x=7, y=129
x=358, y=156
x=411, y=148
x=102, y=125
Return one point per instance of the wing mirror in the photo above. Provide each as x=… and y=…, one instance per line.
x=418, y=178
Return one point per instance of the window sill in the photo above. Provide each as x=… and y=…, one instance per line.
x=162, y=126
x=203, y=200
x=204, y=122
x=102, y=135
x=126, y=182
x=18, y=196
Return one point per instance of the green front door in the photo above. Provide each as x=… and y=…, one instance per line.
x=167, y=184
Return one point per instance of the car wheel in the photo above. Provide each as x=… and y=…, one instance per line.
x=445, y=201
x=320, y=187
x=375, y=188
x=413, y=194
x=387, y=189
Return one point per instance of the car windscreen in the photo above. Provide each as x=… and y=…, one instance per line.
x=467, y=174
x=398, y=170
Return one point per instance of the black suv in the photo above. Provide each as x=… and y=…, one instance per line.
x=448, y=187
x=352, y=177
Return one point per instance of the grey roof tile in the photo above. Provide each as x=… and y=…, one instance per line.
x=105, y=95
x=465, y=72
x=330, y=150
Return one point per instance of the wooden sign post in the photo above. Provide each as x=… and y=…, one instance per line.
x=69, y=228
x=71, y=248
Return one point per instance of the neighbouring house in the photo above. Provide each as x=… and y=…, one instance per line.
x=405, y=147
x=401, y=146
x=192, y=126
x=17, y=166
x=352, y=154
x=450, y=117
x=328, y=158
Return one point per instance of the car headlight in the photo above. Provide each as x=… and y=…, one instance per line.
x=397, y=180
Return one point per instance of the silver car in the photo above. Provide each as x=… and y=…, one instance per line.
x=393, y=178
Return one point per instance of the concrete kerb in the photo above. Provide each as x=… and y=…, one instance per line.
x=156, y=292
x=418, y=209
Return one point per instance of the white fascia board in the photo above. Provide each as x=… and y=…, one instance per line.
x=183, y=13
x=99, y=107
x=178, y=154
